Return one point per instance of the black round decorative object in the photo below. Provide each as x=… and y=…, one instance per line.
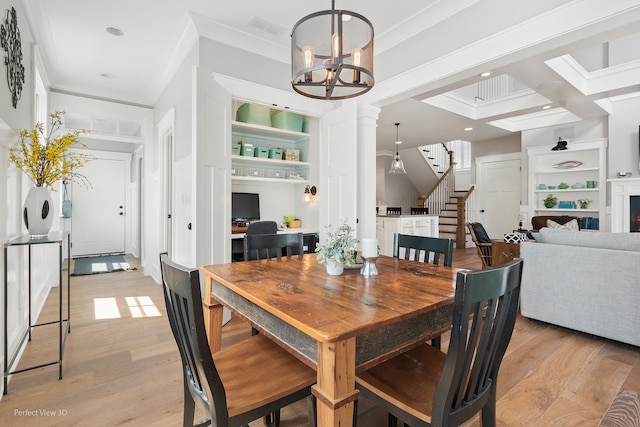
x=10, y=42
x=561, y=145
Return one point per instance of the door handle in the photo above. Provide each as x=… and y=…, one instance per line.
x=482, y=210
x=121, y=213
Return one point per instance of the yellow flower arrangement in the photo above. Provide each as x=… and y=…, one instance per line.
x=44, y=157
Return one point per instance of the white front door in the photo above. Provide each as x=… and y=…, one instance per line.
x=98, y=214
x=498, y=186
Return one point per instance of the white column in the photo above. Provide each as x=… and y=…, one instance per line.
x=366, y=163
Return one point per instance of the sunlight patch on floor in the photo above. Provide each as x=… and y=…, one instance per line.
x=106, y=308
x=142, y=307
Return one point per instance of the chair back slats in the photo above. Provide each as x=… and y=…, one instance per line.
x=485, y=309
x=267, y=246
x=182, y=296
x=426, y=249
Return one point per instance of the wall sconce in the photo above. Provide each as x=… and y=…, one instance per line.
x=309, y=193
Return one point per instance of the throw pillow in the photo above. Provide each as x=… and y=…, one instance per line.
x=481, y=233
x=571, y=225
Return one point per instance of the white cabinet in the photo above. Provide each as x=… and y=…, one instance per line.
x=571, y=175
x=419, y=225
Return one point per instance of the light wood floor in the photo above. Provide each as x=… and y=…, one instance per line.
x=125, y=370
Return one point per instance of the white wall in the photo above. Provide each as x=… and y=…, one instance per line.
x=13, y=189
x=623, y=136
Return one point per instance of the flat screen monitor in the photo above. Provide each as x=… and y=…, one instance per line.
x=245, y=207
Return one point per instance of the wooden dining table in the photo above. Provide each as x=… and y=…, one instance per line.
x=335, y=324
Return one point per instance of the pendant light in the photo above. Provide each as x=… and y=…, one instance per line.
x=397, y=167
x=332, y=54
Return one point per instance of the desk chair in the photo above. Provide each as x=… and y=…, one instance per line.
x=425, y=248
x=482, y=241
x=394, y=211
x=267, y=246
x=238, y=384
x=425, y=387
x=262, y=227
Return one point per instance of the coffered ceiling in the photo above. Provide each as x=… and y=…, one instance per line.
x=429, y=55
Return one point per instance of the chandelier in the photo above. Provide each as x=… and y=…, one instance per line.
x=332, y=55
x=397, y=166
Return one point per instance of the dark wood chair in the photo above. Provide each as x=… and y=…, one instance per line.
x=394, y=211
x=267, y=246
x=238, y=384
x=425, y=249
x=421, y=248
x=482, y=241
x=419, y=211
x=262, y=227
x=426, y=387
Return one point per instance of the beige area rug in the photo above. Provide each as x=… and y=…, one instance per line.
x=624, y=411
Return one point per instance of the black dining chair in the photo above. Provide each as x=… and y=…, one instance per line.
x=422, y=248
x=419, y=211
x=267, y=246
x=262, y=227
x=240, y=383
x=426, y=387
x=425, y=249
x=394, y=210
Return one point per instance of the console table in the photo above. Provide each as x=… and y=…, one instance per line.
x=64, y=327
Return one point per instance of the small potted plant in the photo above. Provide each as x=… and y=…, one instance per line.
x=583, y=203
x=338, y=250
x=550, y=201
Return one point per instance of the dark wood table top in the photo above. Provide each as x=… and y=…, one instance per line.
x=299, y=291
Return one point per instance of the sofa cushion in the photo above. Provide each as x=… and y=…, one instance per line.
x=592, y=239
x=571, y=225
x=540, y=221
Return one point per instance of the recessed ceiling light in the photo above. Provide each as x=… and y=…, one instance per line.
x=108, y=75
x=114, y=31
x=468, y=129
x=546, y=107
x=485, y=74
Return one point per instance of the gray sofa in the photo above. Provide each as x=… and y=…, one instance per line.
x=582, y=280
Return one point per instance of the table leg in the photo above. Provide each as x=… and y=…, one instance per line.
x=212, y=311
x=335, y=389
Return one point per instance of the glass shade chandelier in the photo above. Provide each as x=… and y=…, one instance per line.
x=332, y=55
x=397, y=166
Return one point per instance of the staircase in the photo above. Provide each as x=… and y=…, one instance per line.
x=443, y=200
x=448, y=222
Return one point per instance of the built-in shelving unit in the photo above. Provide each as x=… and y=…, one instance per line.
x=259, y=169
x=581, y=167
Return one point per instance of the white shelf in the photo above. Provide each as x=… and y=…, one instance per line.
x=570, y=170
x=567, y=210
x=269, y=132
x=270, y=162
x=263, y=179
x=569, y=190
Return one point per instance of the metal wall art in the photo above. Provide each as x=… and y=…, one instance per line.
x=10, y=42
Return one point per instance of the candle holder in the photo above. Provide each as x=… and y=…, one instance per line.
x=369, y=267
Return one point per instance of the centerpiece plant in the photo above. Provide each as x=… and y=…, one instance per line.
x=339, y=249
x=44, y=157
